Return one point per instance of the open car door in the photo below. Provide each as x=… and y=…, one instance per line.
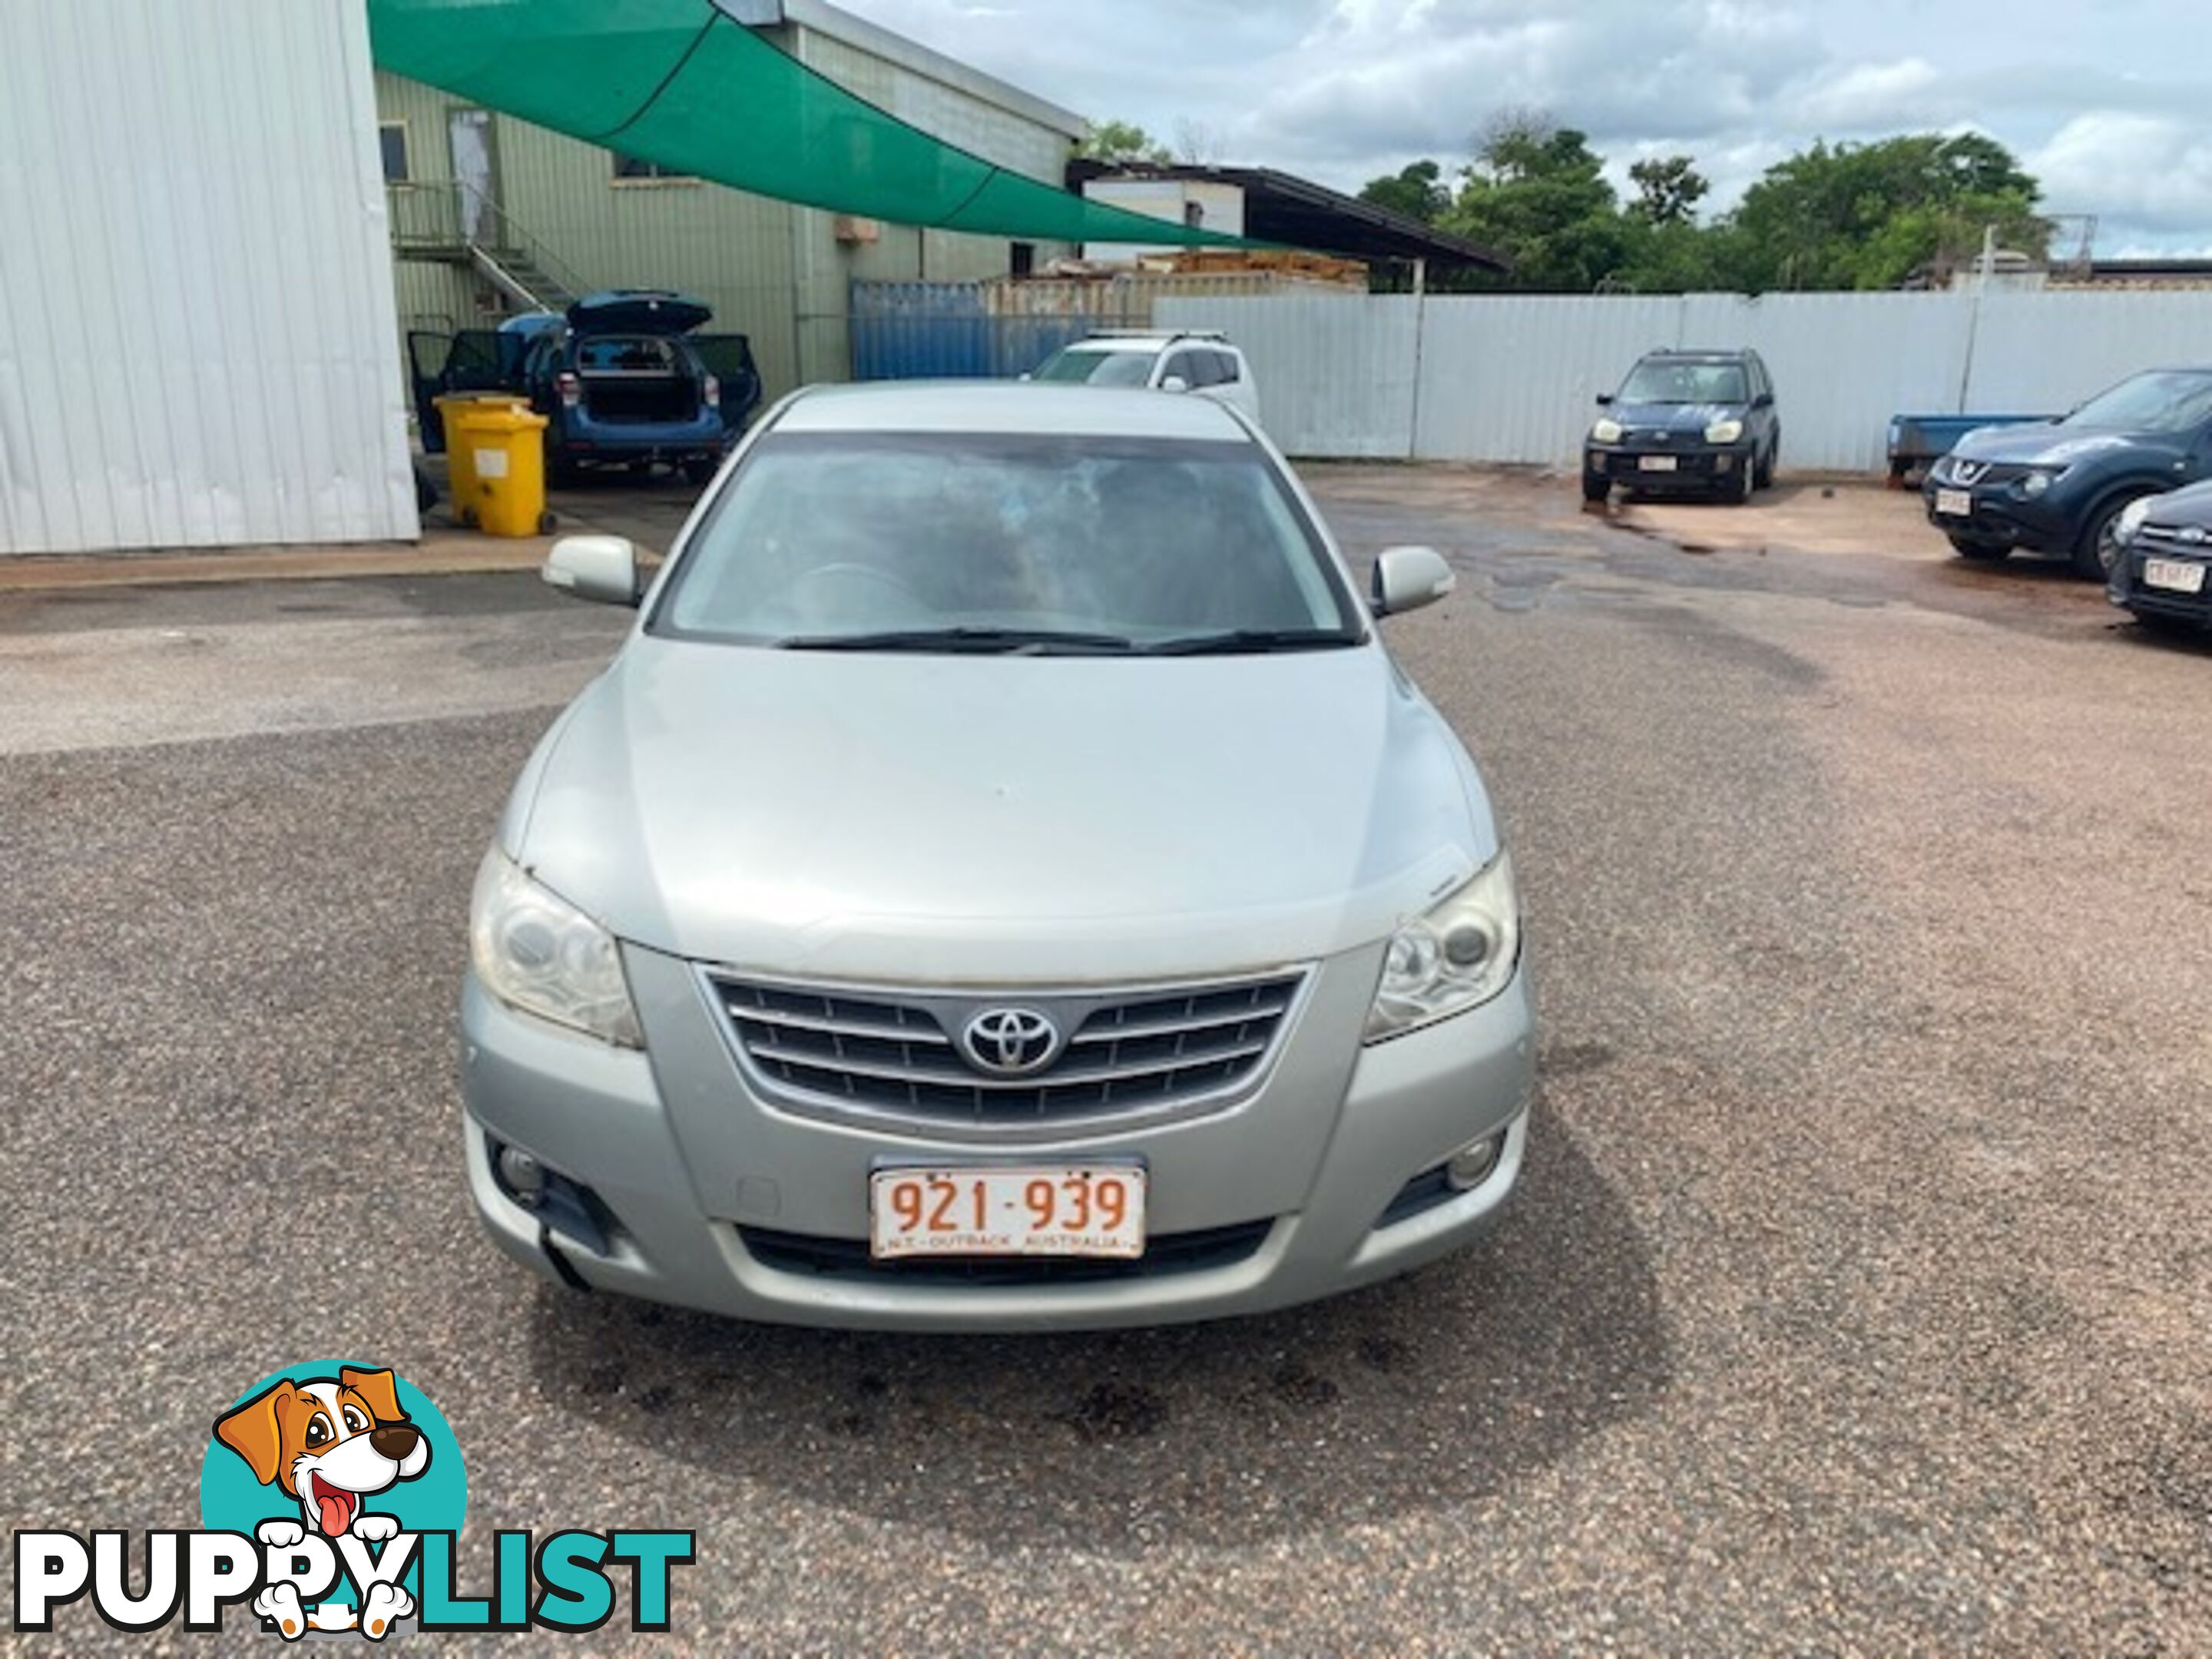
x=440, y=363
x=729, y=359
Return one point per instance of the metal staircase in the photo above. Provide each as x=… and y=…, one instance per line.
x=518, y=275
x=453, y=224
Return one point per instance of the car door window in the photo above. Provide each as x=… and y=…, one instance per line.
x=1182, y=366
x=1225, y=370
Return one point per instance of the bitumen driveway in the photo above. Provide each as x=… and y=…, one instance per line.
x=1858, y=1299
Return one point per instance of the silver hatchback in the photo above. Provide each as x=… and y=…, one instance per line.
x=1003, y=882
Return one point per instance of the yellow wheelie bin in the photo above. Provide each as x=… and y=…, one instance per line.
x=496, y=455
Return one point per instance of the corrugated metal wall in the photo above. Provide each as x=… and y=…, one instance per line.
x=196, y=325
x=1512, y=378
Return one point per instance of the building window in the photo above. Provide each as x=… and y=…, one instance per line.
x=1024, y=259
x=393, y=137
x=631, y=170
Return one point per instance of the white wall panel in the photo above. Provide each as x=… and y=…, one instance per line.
x=1512, y=378
x=197, y=334
x=2051, y=350
x=1336, y=371
x=1842, y=364
x=1516, y=378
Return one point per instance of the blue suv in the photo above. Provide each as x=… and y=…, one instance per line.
x=623, y=378
x=2065, y=487
x=1687, y=423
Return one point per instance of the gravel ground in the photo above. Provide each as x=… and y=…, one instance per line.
x=1858, y=1299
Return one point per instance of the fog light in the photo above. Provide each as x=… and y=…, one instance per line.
x=1473, y=1165
x=522, y=1175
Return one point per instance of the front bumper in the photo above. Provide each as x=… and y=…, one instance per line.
x=2128, y=590
x=1681, y=466
x=2003, y=515
x=710, y=1197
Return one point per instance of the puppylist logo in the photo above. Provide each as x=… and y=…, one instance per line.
x=331, y=1498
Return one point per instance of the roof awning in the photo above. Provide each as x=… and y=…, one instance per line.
x=682, y=84
x=1292, y=212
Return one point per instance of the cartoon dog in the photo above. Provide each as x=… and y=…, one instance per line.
x=329, y=1444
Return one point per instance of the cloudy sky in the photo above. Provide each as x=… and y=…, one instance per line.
x=2108, y=101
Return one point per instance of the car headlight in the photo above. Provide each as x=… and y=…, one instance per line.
x=1723, y=432
x=2035, y=483
x=536, y=951
x=2132, y=519
x=1606, y=431
x=1456, y=958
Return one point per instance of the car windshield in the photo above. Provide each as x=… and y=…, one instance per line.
x=1685, y=383
x=1074, y=366
x=2163, y=401
x=1039, y=544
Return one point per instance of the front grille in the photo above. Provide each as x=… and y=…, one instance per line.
x=1132, y=1052
x=1952, y=470
x=1165, y=1257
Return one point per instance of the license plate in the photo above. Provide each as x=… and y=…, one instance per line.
x=1955, y=503
x=1049, y=1210
x=2174, y=576
x=1658, y=464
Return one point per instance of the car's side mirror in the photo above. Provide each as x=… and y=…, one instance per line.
x=601, y=568
x=1605, y=400
x=1407, y=578
x=1026, y=378
x=1764, y=400
x=1174, y=383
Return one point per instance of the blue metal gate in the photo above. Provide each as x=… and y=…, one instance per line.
x=948, y=331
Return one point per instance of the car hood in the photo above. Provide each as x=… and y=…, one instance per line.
x=947, y=819
x=1673, y=417
x=2046, y=443
x=2191, y=504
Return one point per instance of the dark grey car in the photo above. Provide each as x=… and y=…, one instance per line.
x=2063, y=486
x=1687, y=423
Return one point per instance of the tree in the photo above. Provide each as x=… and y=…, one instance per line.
x=1417, y=192
x=1668, y=190
x=1537, y=193
x=1869, y=215
x=1199, y=144
x=1124, y=141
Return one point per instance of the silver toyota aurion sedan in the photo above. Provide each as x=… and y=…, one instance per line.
x=1003, y=882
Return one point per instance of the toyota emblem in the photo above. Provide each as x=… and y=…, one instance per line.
x=1007, y=1042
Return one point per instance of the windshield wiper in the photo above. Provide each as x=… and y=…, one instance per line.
x=982, y=642
x=1253, y=641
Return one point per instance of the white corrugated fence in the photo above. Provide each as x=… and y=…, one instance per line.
x=198, y=339
x=1514, y=378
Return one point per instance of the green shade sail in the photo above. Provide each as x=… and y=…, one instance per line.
x=680, y=83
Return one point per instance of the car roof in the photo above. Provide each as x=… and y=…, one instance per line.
x=1692, y=355
x=1150, y=339
x=1004, y=406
